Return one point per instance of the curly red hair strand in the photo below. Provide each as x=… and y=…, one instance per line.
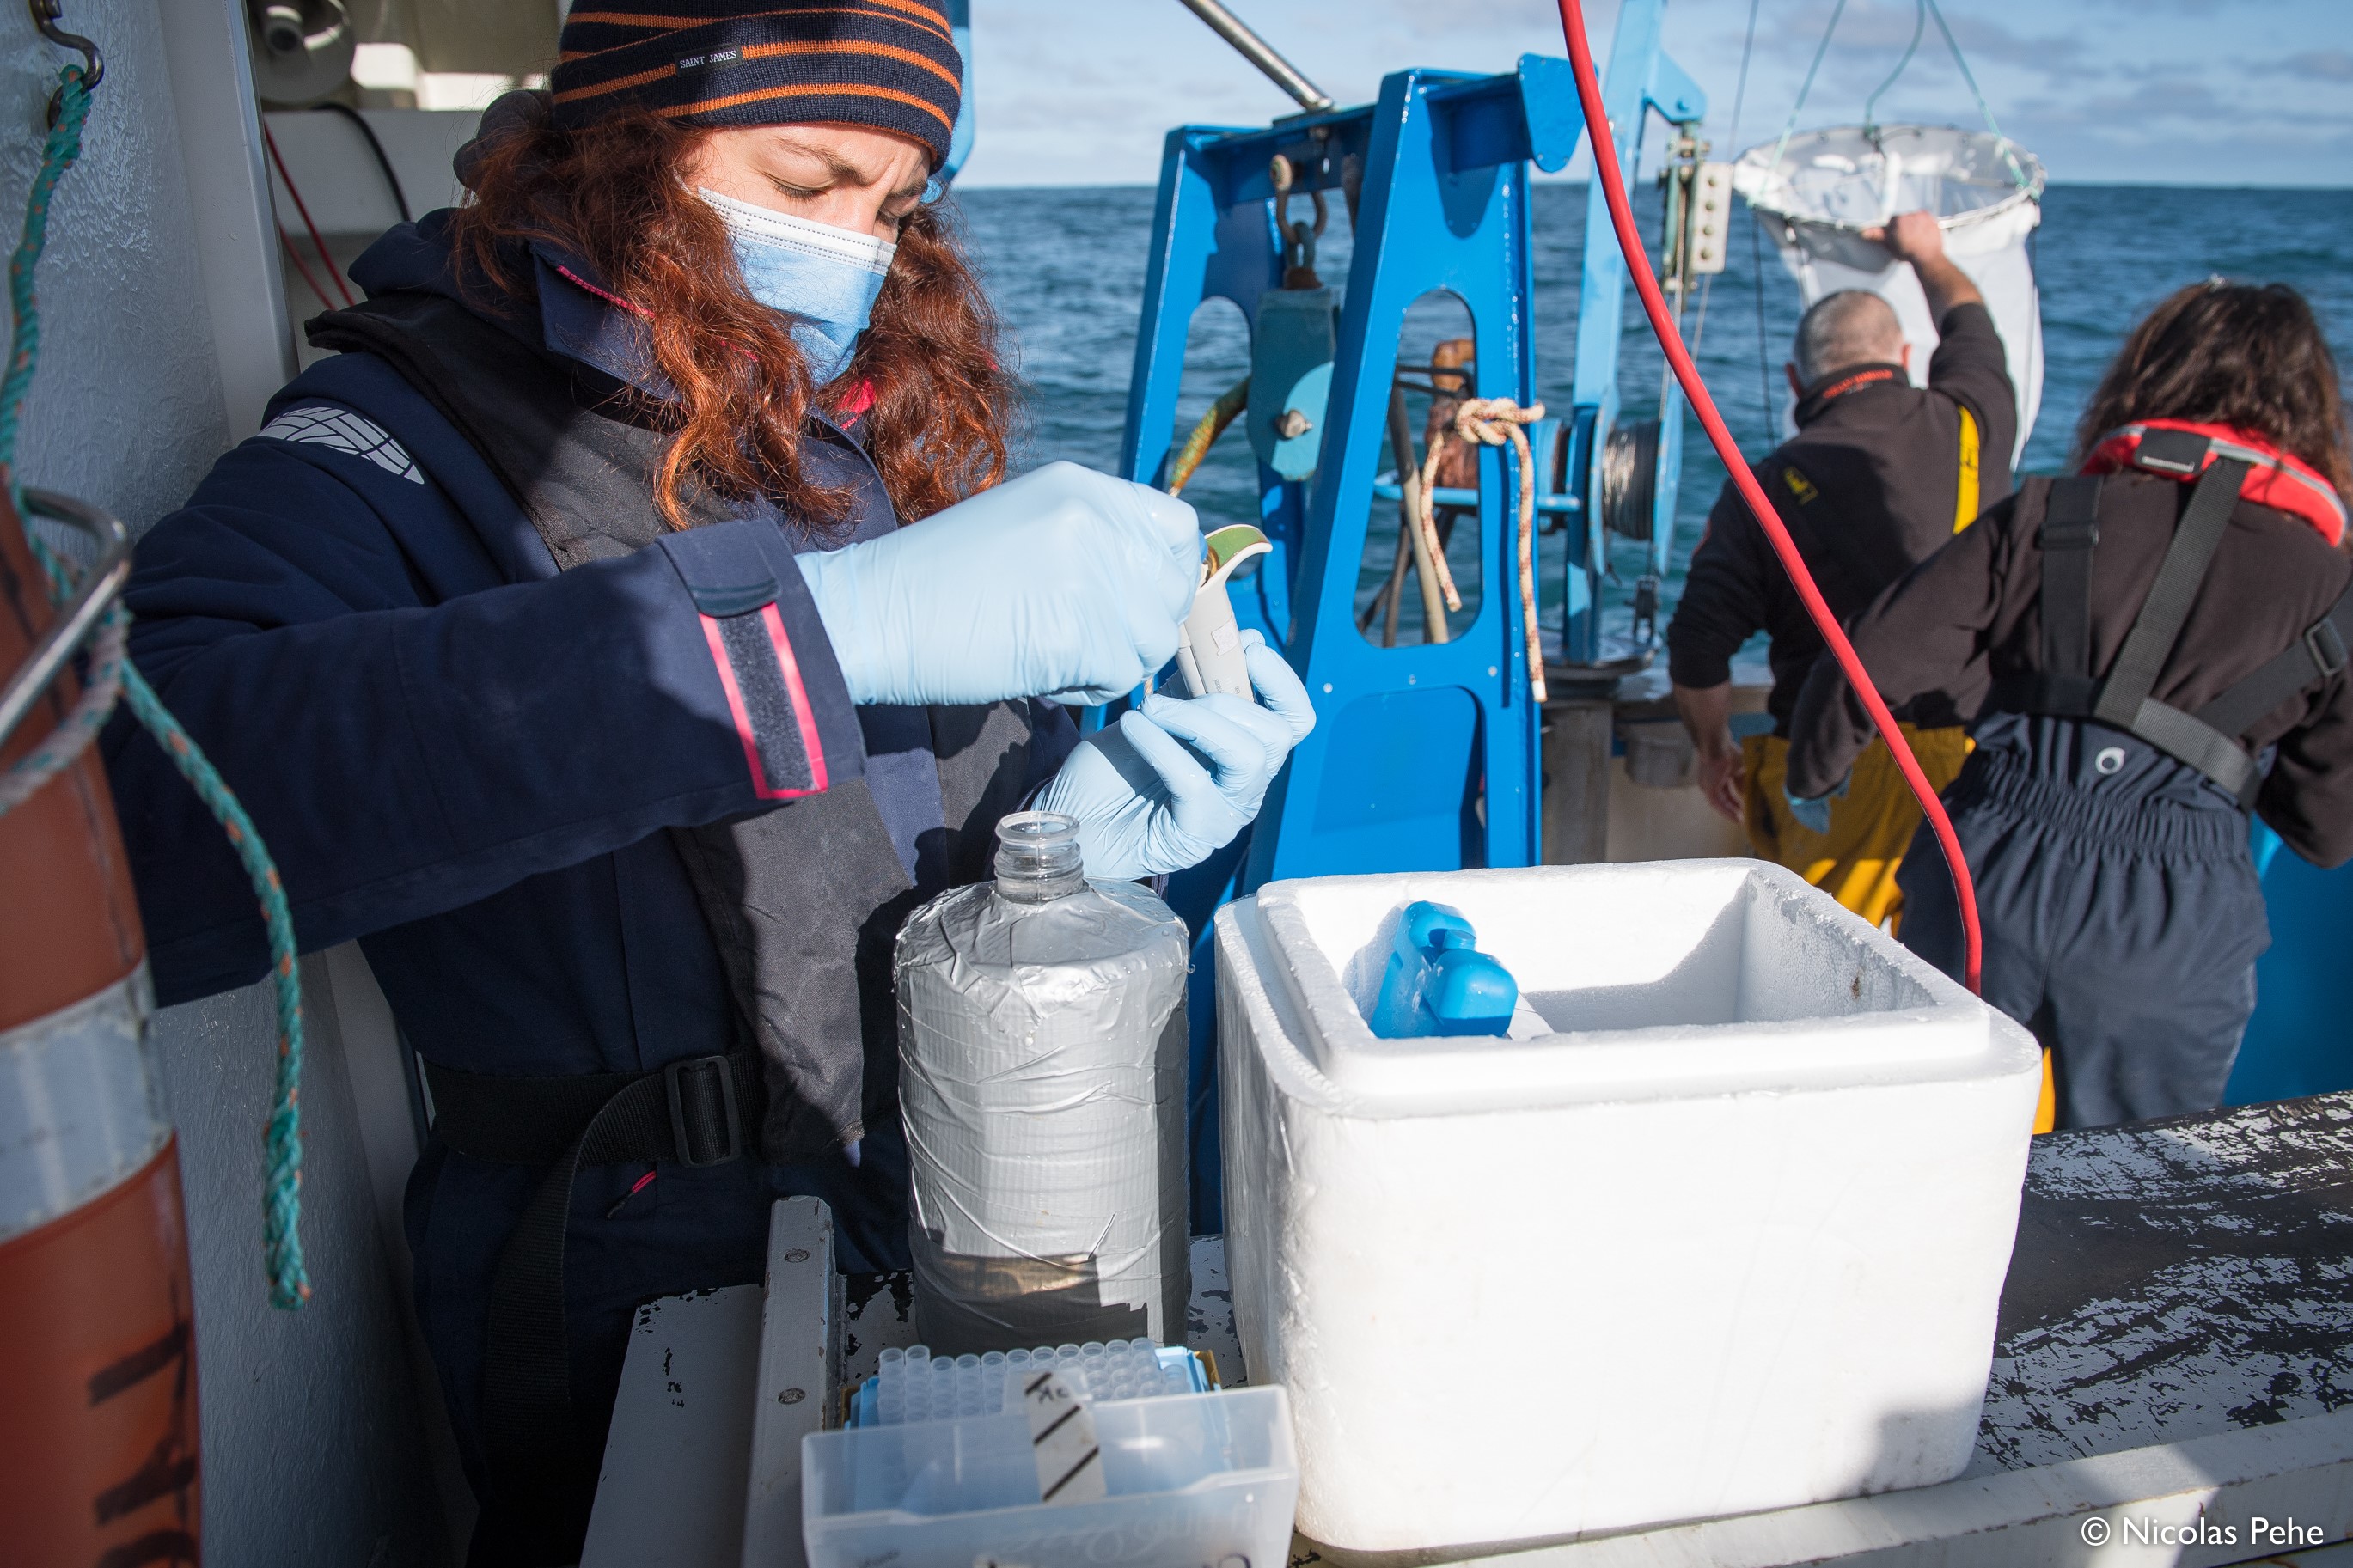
x=928, y=380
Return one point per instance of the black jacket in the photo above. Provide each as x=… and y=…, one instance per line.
x=1970, y=615
x=1868, y=487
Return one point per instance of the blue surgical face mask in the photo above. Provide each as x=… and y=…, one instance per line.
x=825, y=278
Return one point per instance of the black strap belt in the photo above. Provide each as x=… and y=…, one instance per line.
x=2070, y=527
x=2207, y=740
x=692, y=1112
x=2318, y=654
x=2157, y=628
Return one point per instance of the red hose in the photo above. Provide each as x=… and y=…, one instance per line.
x=1637, y=265
x=334, y=275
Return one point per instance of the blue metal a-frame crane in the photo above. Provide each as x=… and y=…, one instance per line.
x=1426, y=756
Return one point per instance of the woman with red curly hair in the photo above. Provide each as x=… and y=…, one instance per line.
x=619, y=637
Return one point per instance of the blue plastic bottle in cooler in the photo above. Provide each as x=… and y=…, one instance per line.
x=1437, y=982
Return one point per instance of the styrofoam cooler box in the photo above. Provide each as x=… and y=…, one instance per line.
x=1731, y=1239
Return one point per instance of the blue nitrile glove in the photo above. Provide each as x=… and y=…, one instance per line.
x=1815, y=814
x=1064, y=582
x=1280, y=693
x=1146, y=804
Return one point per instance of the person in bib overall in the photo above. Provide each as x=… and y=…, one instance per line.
x=1880, y=475
x=619, y=635
x=2146, y=651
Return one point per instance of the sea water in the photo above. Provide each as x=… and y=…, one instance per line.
x=1066, y=269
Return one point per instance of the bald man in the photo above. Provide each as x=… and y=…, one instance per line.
x=1880, y=474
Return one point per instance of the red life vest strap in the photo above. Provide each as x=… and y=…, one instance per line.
x=2274, y=478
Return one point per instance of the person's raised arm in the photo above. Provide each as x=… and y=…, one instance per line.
x=1917, y=238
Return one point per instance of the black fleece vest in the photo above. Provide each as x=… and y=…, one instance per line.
x=804, y=900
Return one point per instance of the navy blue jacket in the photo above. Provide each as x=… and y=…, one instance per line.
x=465, y=759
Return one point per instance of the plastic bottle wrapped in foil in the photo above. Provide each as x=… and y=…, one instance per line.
x=1042, y=1050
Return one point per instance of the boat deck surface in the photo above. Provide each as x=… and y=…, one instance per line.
x=2174, y=1343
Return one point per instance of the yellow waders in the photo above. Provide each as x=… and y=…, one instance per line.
x=1871, y=825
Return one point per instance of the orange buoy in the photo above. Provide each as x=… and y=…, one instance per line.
x=98, y=1378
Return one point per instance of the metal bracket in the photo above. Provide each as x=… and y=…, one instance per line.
x=796, y=1390
x=79, y=616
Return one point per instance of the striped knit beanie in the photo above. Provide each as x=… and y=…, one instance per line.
x=888, y=64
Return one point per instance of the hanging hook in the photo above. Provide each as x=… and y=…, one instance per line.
x=47, y=14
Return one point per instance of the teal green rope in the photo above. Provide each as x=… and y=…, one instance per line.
x=1804, y=89
x=1871, y=104
x=289, y=1284
x=281, y=1209
x=2001, y=141
x=57, y=154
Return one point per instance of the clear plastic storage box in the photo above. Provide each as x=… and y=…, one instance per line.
x=1193, y=1479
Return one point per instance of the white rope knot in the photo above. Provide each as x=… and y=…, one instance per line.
x=1495, y=420
x=1491, y=422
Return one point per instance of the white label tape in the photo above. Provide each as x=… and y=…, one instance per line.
x=1063, y=1436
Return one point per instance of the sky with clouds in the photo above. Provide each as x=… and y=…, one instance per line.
x=2227, y=92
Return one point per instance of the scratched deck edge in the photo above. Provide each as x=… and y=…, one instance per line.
x=2024, y=1518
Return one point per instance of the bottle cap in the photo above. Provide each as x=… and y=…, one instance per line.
x=1037, y=857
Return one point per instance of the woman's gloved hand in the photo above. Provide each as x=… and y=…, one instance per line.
x=1146, y=804
x=1064, y=582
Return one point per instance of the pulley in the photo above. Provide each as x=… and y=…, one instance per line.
x=1698, y=214
x=1630, y=479
x=301, y=49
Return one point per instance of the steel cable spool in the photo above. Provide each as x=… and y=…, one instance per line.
x=1630, y=479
